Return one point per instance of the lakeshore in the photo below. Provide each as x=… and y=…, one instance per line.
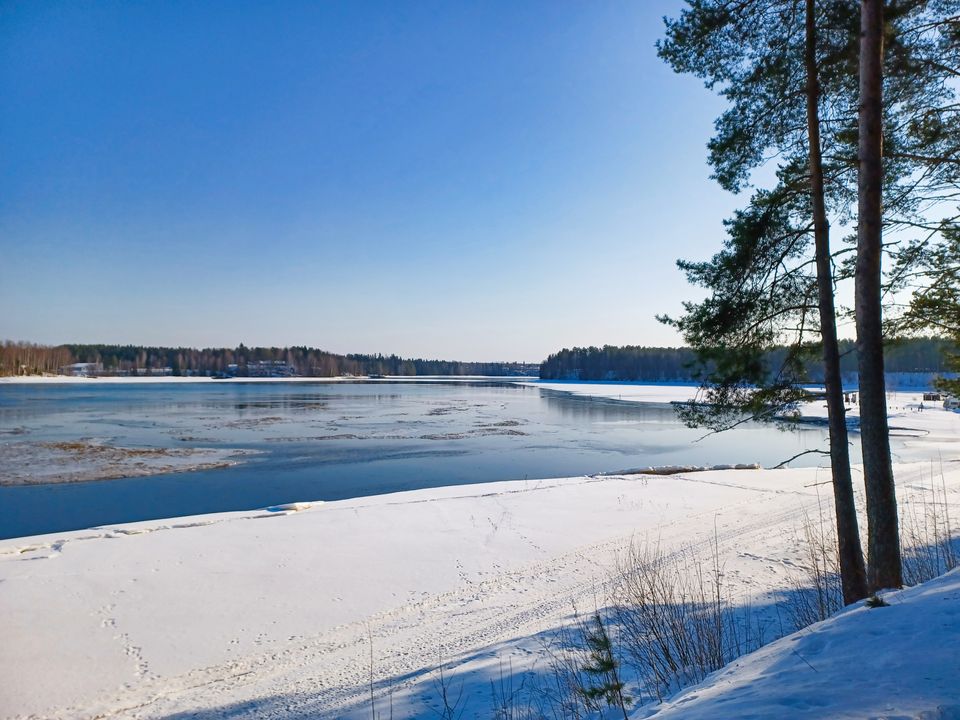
x=275, y=613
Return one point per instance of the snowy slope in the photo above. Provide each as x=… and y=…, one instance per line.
x=901, y=661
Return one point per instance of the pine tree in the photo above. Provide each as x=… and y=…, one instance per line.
x=767, y=56
x=602, y=669
x=791, y=72
x=883, y=542
x=934, y=281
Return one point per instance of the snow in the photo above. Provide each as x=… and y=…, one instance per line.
x=276, y=613
x=891, y=662
x=633, y=392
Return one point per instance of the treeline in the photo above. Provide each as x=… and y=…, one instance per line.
x=631, y=362
x=19, y=358
x=662, y=364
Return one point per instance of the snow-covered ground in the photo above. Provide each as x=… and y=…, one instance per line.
x=298, y=612
x=634, y=392
x=899, y=661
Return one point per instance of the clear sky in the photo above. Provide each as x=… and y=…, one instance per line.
x=466, y=180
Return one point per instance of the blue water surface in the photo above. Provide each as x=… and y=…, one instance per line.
x=335, y=440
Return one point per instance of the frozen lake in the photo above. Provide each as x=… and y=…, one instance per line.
x=334, y=440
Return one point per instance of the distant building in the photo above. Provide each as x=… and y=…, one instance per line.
x=268, y=368
x=82, y=369
x=152, y=372
x=261, y=368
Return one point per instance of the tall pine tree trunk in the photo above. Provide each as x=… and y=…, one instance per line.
x=852, y=574
x=883, y=539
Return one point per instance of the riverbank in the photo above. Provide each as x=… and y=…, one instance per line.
x=296, y=611
x=276, y=613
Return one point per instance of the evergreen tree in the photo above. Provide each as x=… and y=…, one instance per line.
x=883, y=541
x=935, y=300
x=853, y=574
x=601, y=668
x=767, y=56
x=790, y=71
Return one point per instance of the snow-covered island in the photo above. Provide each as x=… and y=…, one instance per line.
x=331, y=610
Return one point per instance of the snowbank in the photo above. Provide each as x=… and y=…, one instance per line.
x=633, y=392
x=891, y=662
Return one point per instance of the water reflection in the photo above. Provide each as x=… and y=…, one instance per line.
x=578, y=407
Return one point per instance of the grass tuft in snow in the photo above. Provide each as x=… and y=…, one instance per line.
x=677, y=620
x=930, y=544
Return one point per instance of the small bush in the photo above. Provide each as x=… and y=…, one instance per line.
x=926, y=532
x=817, y=591
x=676, y=621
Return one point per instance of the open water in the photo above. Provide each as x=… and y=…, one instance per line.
x=335, y=440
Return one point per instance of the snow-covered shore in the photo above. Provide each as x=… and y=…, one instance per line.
x=276, y=613
x=629, y=391
x=898, y=661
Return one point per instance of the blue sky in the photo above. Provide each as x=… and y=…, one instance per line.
x=471, y=180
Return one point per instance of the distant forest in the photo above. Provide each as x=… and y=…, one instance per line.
x=632, y=362
x=658, y=364
x=18, y=358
